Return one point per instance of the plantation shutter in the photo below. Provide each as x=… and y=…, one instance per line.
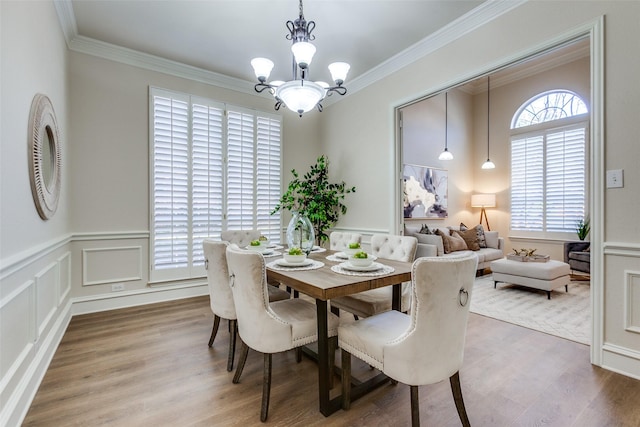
x=170, y=215
x=527, y=184
x=240, y=171
x=213, y=168
x=565, y=179
x=208, y=173
x=268, y=176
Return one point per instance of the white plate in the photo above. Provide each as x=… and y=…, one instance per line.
x=275, y=247
x=373, y=267
x=284, y=263
x=342, y=255
x=260, y=249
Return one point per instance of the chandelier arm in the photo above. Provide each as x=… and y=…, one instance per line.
x=319, y=107
x=340, y=90
x=261, y=87
x=278, y=105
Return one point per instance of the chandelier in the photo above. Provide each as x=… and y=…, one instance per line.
x=300, y=94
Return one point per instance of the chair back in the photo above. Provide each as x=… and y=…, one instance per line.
x=220, y=296
x=259, y=327
x=240, y=237
x=432, y=348
x=397, y=248
x=339, y=241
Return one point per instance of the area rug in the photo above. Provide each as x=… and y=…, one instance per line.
x=566, y=314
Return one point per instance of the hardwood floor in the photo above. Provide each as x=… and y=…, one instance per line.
x=151, y=366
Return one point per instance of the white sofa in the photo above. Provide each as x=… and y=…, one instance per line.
x=430, y=245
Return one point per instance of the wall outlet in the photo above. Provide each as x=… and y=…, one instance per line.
x=615, y=178
x=117, y=287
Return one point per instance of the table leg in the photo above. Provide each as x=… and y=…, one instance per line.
x=396, y=301
x=323, y=357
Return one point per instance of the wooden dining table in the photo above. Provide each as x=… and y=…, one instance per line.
x=323, y=284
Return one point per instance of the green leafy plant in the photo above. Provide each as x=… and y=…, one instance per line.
x=320, y=200
x=582, y=228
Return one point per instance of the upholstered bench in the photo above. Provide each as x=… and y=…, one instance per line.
x=546, y=276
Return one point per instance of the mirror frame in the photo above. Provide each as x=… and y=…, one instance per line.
x=43, y=135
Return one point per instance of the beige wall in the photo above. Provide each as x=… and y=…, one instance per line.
x=365, y=119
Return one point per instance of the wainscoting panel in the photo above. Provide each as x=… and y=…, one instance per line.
x=110, y=265
x=46, y=295
x=33, y=317
x=632, y=301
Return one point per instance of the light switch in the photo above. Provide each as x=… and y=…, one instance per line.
x=615, y=179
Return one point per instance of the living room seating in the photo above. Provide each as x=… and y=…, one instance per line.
x=425, y=347
x=431, y=244
x=268, y=327
x=545, y=276
x=578, y=256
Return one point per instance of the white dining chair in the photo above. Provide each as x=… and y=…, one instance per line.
x=425, y=346
x=339, y=240
x=240, y=237
x=269, y=327
x=220, y=296
x=368, y=303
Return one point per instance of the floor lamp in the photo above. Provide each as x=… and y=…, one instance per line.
x=483, y=201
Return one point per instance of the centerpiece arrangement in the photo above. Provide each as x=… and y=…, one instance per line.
x=524, y=255
x=315, y=204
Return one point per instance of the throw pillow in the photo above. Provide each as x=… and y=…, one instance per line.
x=470, y=237
x=425, y=229
x=482, y=240
x=463, y=227
x=452, y=243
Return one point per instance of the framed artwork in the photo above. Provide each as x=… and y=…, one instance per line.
x=424, y=192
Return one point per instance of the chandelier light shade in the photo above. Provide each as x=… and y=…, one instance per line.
x=488, y=164
x=300, y=94
x=446, y=154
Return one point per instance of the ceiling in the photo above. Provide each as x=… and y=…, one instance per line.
x=222, y=36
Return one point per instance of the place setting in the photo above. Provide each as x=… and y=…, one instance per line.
x=264, y=247
x=295, y=260
x=359, y=263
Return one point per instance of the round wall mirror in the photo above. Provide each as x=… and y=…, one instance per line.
x=44, y=156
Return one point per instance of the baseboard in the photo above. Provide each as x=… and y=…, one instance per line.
x=114, y=301
x=622, y=360
x=13, y=413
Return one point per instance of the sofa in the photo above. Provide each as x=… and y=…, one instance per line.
x=578, y=256
x=431, y=244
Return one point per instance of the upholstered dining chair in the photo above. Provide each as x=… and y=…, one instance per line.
x=220, y=296
x=425, y=346
x=339, y=241
x=268, y=327
x=240, y=237
x=368, y=303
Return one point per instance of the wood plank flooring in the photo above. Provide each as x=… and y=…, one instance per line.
x=151, y=366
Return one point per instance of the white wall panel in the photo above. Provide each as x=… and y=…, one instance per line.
x=110, y=265
x=17, y=328
x=46, y=295
x=64, y=277
x=632, y=301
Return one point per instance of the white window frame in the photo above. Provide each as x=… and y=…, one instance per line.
x=261, y=204
x=542, y=130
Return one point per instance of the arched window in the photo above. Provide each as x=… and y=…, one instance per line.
x=548, y=106
x=548, y=163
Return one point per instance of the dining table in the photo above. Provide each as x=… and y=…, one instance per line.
x=327, y=281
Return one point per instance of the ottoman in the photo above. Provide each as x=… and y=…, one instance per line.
x=546, y=276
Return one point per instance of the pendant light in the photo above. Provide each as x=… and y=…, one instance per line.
x=488, y=164
x=446, y=154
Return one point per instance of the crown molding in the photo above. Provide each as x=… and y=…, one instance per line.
x=472, y=20
x=476, y=18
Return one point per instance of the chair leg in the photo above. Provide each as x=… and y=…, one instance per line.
x=232, y=344
x=457, y=397
x=346, y=379
x=214, y=332
x=298, y=354
x=266, y=387
x=415, y=407
x=244, y=351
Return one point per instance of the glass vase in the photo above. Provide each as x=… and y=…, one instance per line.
x=300, y=232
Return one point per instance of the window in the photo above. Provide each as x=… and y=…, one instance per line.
x=548, y=164
x=214, y=167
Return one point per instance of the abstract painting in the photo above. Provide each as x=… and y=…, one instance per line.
x=424, y=192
